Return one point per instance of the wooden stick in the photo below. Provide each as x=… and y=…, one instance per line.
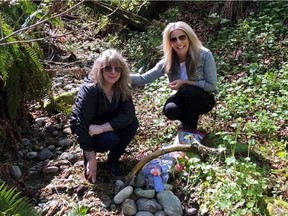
x=195, y=147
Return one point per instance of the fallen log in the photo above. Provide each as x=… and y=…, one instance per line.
x=195, y=147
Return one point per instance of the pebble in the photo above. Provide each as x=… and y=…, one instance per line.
x=48, y=170
x=15, y=172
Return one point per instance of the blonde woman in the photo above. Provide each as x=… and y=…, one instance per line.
x=191, y=71
x=103, y=115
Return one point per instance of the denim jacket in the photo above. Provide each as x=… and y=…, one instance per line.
x=205, y=74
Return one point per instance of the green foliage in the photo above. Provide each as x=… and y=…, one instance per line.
x=15, y=13
x=12, y=204
x=22, y=75
x=130, y=5
x=80, y=211
x=236, y=188
x=253, y=40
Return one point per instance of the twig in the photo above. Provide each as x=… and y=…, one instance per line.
x=195, y=147
x=35, y=39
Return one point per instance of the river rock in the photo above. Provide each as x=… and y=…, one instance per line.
x=171, y=204
x=129, y=207
x=123, y=194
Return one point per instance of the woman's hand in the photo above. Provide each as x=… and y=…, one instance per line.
x=91, y=170
x=98, y=129
x=95, y=129
x=91, y=167
x=176, y=84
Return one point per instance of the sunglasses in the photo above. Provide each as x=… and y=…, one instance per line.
x=109, y=69
x=181, y=38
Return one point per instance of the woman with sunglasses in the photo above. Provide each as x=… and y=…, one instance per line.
x=191, y=71
x=103, y=115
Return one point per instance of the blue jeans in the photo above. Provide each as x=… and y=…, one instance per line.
x=188, y=104
x=114, y=141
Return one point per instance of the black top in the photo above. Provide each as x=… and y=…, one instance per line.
x=93, y=107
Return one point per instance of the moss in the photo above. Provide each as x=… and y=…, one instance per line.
x=61, y=103
x=276, y=206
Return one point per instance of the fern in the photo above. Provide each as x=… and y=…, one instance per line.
x=35, y=81
x=4, y=58
x=22, y=77
x=12, y=204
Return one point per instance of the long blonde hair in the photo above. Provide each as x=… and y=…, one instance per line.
x=194, y=47
x=112, y=57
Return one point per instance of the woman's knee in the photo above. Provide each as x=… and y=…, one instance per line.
x=106, y=141
x=128, y=133
x=172, y=111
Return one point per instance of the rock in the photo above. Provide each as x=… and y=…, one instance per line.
x=138, y=180
x=144, y=193
x=123, y=194
x=41, y=121
x=144, y=213
x=15, y=172
x=67, y=130
x=158, y=206
x=129, y=207
x=51, y=147
x=52, y=169
x=119, y=185
x=67, y=156
x=65, y=142
x=190, y=211
x=31, y=155
x=45, y=154
x=144, y=204
x=68, y=87
x=61, y=102
x=160, y=213
x=171, y=204
x=55, y=133
x=276, y=206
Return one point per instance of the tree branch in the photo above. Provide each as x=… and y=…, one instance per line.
x=195, y=147
x=35, y=39
x=41, y=22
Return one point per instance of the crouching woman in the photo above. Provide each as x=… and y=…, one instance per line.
x=103, y=115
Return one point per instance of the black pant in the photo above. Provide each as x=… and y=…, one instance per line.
x=188, y=104
x=114, y=141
